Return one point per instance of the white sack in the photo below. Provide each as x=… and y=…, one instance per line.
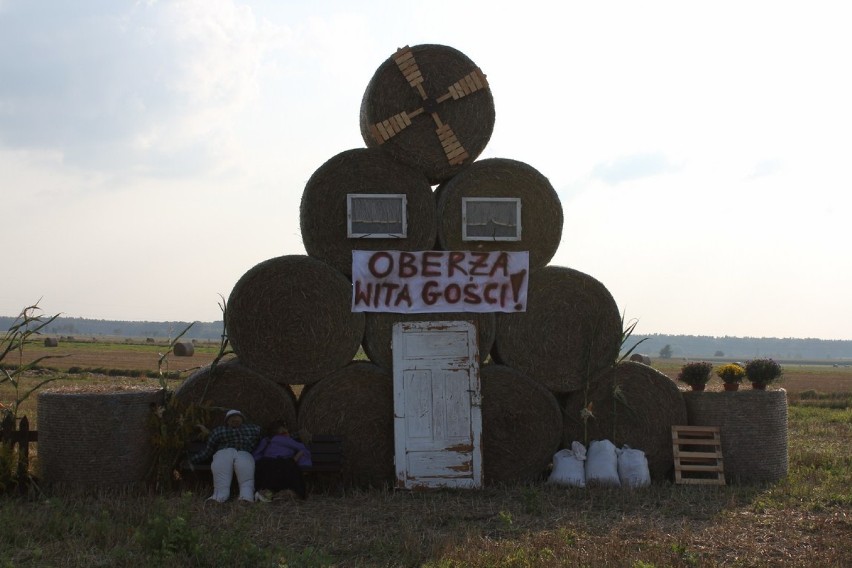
x=569, y=466
x=602, y=464
x=633, y=468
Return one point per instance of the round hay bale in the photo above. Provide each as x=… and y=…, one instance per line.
x=51, y=342
x=378, y=332
x=355, y=402
x=521, y=426
x=290, y=319
x=541, y=209
x=323, y=213
x=95, y=438
x=753, y=428
x=183, y=349
x=570, y=332
x=632, y=404
x=402, y=120
x=232, y=385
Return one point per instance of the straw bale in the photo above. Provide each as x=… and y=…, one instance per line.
x=323, y=211
x=570, y=332
x=95, y=439
x=541, y=209
x=378, y=332
x=521, y=426
x=184, y=349
x=290, y=319
x=640, y=358
x=470, y=117
x=753, y=427
x=51, y=342
x=232, y=385
x=632, y=404
x=355, y=402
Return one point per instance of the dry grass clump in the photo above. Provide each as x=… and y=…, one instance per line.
x=570, y=332
x=355, y=402
x=541, y=209
x=378, y=332
x=753, y=428
x=631, y=404
x=521, y=426
x=290, y=319
x=471, y=117
x=90, y=438
x=232, y=385
x=323, y=211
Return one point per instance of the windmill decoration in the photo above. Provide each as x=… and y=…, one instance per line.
x=402, y=90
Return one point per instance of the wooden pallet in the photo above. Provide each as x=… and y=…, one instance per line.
x=698, y=455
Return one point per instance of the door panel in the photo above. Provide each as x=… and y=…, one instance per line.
x=437, y=423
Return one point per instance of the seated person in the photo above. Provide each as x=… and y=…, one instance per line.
x=231, y=446
x=277, y=460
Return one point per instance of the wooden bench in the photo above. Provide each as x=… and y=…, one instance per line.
x=326, y=457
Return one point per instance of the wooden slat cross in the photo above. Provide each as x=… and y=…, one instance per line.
x=698, y=456
x=467, y=85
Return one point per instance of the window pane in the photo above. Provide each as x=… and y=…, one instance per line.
x=376, y=216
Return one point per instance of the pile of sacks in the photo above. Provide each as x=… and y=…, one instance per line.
x=603, y=464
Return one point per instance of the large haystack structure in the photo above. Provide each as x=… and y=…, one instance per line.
x=378, y=332
x=631, y=404
x=428, y=106
x=521, y=426
x=496, y=179
x=355, y=402
x=570, y=333
x=290, y=319
x=325, y=208
x=230, y=385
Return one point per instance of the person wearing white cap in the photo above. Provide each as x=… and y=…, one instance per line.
x=231, y=446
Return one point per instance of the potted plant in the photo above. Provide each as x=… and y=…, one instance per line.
x=696, y=374
x=761, y=372
x=732, y=375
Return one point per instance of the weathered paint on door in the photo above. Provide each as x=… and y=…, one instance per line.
x=437, y=415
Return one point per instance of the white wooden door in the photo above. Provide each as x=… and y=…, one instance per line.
x=437, y=415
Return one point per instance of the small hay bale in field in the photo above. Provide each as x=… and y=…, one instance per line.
x=632, y=404
x=183, y=349
x=323, y=212
x=521, y=426
x=541, y=210
x=290, y=319
x=753, y=427
x=355, y=402
x=95, y=438
x=51, y=342
x=378, y=332
x=400, y=114
x=570, y=332
x=231, y=385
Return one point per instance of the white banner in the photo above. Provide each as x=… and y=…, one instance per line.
x=439, y=281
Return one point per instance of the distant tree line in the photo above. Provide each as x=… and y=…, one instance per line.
x=692, y=346
x=65, y=326
x=675, y=346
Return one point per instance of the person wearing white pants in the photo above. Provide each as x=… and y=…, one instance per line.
x=231, y=446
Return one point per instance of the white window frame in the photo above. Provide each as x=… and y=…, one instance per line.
x=401, y=197
x=515, y=200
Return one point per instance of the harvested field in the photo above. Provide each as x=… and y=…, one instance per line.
x=113, y=355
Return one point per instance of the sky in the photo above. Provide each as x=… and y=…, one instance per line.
x=153, y=152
